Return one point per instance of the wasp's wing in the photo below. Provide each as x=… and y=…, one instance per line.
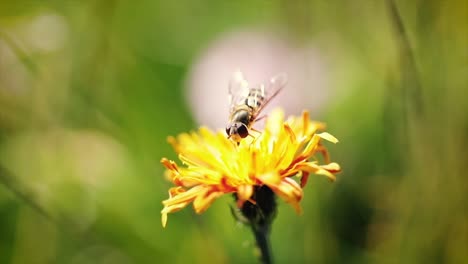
x=238, y=90
x=272, y=88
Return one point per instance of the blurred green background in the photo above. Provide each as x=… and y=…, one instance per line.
x=89, y=91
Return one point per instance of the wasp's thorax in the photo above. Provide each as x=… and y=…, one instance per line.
x=238, y=127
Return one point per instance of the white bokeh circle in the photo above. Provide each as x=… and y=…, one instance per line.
x=259, y=55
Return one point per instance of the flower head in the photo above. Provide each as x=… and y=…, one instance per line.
x=215, y=166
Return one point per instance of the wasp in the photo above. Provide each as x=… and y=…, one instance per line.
x=247, y=102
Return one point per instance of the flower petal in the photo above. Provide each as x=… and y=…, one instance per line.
x=328, y=137
x=205, y=199
x=290, y=191
x=270, y=179
x=274, y=122
x=244, y=192
x=169, y=164
x=178, y=199
x=332, y=167
x=317, y=169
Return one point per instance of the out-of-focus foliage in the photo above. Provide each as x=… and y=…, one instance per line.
x=89, y=91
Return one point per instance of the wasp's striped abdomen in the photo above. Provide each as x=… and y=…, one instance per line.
x=255, y=98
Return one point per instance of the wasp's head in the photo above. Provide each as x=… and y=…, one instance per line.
x=237, y=131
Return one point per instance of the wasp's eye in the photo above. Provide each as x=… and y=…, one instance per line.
x=228, y=128
x=243, y=131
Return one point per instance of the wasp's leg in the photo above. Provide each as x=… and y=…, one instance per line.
x=260, y=118
x=255, y=130
x=254, y=137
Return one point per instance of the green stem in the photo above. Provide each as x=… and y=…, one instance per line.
x=262, y=236
x=409, y=71
x=9, y=181
x=260, y=215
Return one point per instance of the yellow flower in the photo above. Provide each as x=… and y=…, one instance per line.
x=216, y=166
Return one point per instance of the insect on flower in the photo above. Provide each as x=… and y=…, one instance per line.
x=247, y=102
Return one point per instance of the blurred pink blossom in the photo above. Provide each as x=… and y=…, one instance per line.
x=260, y=56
